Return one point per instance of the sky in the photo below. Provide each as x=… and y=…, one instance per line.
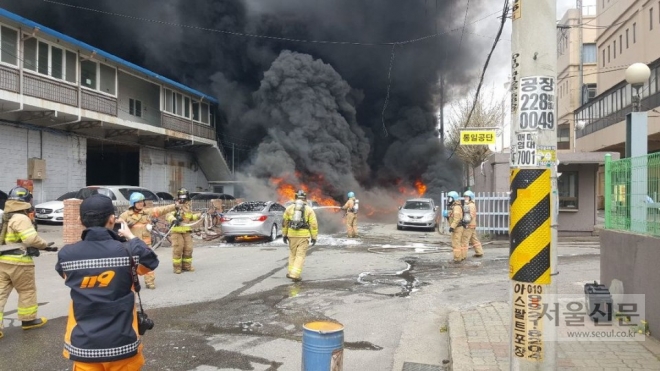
x=499, y=68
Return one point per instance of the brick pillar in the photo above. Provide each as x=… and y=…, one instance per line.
x=72, y=227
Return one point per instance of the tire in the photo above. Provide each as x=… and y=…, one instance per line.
x=155, y=238
x=230, y=239
x=398, y=227
x=273, y=233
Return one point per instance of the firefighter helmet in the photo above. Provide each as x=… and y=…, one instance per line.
x=301, y=195
x=135, y=198
x=20, y=194
x=183, y=194
x=469, y=193
x=350, y=195
x=453, y=195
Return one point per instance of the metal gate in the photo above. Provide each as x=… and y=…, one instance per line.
x=492, y=212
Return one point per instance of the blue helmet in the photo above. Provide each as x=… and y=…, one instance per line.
x=445, y=213
x=351, y=194
x=135, y=198
x=469, y=193
x=454, y=195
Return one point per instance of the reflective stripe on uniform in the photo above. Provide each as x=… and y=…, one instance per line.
x=27, y=233
x=177, y=261
x=12, y=237
x=296, y=271
x=102, y=353
x=97, y=263
x=27, y=311
x=187, y=260
x=24, y=259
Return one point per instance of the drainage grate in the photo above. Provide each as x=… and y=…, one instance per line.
x=409, y=366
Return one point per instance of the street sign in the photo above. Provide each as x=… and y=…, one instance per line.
x=478, y=137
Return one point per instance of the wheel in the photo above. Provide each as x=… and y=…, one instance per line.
x=155, y=238
x=230, y=239
x=398, y=227
x=273, y=233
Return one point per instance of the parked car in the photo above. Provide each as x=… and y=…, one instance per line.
x=52, y=211
x=165, y=196
x=254, y=218
x=205, y=196
x=118, y=194
x=418, y=213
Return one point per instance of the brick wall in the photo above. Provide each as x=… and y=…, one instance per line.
x=65, y=155
x=72, y=228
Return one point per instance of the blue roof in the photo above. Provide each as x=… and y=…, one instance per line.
x=108, y=56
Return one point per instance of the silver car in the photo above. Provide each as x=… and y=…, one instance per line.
x=254, y=218
x=418, y=213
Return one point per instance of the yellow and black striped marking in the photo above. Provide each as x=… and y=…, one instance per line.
x=529, y=228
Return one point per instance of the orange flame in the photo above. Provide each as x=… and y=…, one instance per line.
x=286, y=190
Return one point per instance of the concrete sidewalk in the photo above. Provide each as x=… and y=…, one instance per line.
x=479, y=341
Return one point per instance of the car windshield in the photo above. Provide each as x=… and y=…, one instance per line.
x=67, y=196
x=247, y=207
x=417, y=205
x=84, y=193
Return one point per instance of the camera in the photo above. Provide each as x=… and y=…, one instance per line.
x=144, y=323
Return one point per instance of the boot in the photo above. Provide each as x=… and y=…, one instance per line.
x=177, y=269
x=35, y=323
x=295, y=279
x=189, y=269
x=150, y=286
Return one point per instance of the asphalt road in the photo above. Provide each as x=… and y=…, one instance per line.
x=392, y=290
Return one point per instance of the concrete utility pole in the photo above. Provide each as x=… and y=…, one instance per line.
x=581, y=72
x=534, y=201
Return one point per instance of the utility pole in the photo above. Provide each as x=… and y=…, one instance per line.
x=533, y=185
x=581, y=72
x=232, y=159
x=442, y=109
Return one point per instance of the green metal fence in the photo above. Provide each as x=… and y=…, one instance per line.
x=632, y=192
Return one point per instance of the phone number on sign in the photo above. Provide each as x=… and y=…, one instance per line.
x=536, y=111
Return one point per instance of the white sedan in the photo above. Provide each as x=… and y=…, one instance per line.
x=52, y=211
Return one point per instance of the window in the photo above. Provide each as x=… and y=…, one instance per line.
x=88, y=74
x=620, y=44
x=567, y=186
x=651, y=19
x=186, y=107
x=563, y=137
x=634, y=33
x=168, y=101
x=627, y=33
x=30, y=54
x=57, y=62
x=107, y=81
x=205, y=113
x=71, y=66
x=42, y=58
x=135, y=107
x=608, y=54
x=614, y=49
x=9, y=45
x=177, y=104
x=589, y=53
x=603, y=63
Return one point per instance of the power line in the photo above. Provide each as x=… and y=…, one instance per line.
x=467, y=8
x=505, y=11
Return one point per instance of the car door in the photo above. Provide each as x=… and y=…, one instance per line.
x=277, y=212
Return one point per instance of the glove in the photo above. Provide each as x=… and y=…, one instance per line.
x=176, y=222
x=50, y=248
x=33, y=251
x=285, y=239
x=313, y=241
x=451, y=230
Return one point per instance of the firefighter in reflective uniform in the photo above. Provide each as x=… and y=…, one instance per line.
x=351, y=207
x=299, y=227
x=182, y=243
x=470, y=231
x=138, y=220
x=455, y=224
x=19, y=242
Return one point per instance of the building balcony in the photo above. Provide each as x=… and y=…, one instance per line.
x=57, y=104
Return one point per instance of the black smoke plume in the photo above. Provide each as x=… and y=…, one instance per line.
x=309, y=110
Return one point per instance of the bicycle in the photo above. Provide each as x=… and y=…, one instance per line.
x=159, y=230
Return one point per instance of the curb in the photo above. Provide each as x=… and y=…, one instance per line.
x=460, y=359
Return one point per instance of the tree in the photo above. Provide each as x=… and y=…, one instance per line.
x=488, y=113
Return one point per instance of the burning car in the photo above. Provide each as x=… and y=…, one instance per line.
x=254, y=218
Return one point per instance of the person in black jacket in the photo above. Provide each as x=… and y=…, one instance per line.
x=102, y=332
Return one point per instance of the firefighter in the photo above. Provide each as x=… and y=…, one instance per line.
x=351, y=207
x=455, y=224
x=103, y=329
x=182, y=243
x=19, y=242
x=299, y=227
x=138, y=219
x=470, y=232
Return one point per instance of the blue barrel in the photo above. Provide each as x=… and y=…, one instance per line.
x=323, y=346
